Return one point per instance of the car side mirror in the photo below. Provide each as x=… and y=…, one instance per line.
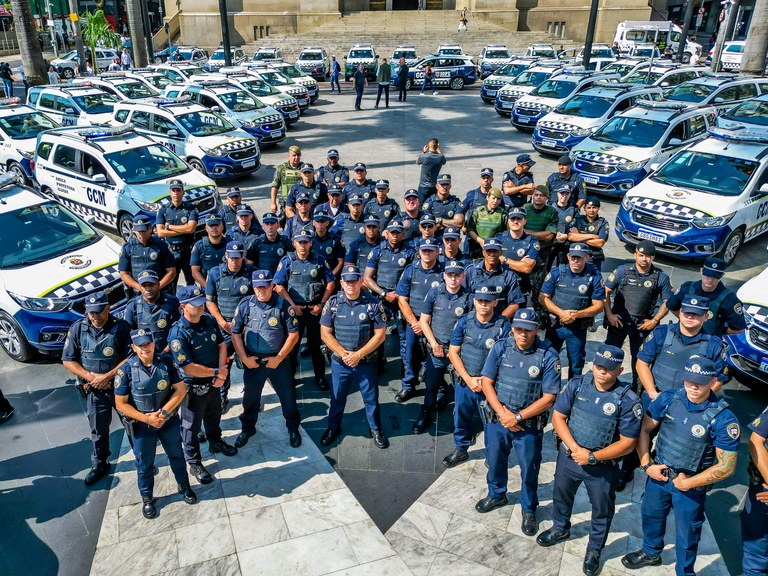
x=664, y=84
x=99, y=178
x=655, y=166
x=675, y=142
x=173, y=133
x=216, y=108
x=719, y=100
x=764, y=188
x=69, y=111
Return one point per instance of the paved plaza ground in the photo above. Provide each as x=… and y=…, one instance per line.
x=349, y=508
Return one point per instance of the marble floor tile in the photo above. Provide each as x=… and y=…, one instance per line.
x=312, y=555
x=392, y=566
x=460, y=498
x=572, y=563
x=259, y=527
x=367, y=541
x=109, y=533
x=447, y=564
x=321, y=512
x=424, y=523
x=204, y=541
x=417, y=555
x=224, y=566
x=146, y=556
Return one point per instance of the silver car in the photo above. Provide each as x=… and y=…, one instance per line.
x=68, y=62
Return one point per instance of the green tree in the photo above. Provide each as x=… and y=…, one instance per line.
x=97, y=32
x=29, y=44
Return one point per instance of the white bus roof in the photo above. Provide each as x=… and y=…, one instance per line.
x=644, y=25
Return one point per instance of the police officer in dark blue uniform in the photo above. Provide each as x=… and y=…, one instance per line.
x=145, y=251
x=199, y=350
x=725, y=315
x=208, y=252
x=175, y=223
x=360, y=183
x=335, y=208
x=573, y=295
x=450, y=251
x=521, y=378
x=490, y=273
x=95, y=346
x=316, y=191
x=597, y=420
x=148, y=390
x=327, y=242
x=305, y=281
x=519, y=250
x=592, y=229
x=566, y=213
x=264, y=332
x=444, y=206
x=333, y=172
x=427, y=228
x=352, y=225
x=153, y=310
x=567, y=177
x=246, y=230
x=475, y=334
x=228, y=213
x=382, y=206
x=360, y=250
x=696, y=447
x=271, y=246
x=754, y=517
x=477, y=196
x=521, y=184
x=302, y=219
x=353, y=326
x=443, y=307
x=410, y=215
x=417, y=279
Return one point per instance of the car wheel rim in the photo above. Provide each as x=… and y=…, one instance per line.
x=9, y=338
x=732, y=248
x=126, y=229
x=16, y=169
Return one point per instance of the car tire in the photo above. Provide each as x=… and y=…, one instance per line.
x=686, y=59
x=732, y=245
x=408, y=84
x=197, y=165
x=16, y=168
x=68, y=73
x=13, y=340
x=125, y=227
x=457, y=83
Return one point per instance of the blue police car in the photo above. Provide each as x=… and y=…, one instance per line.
x=503, y=76
x=452, y=71
x=748, y=351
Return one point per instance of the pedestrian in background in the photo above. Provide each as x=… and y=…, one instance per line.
x=384, y=79
x=125, y=59
x=335, y=72
x=431, y=161
x=53, y=76
x=402, y=80
x=7, y=77
x=359, y=80
x=463, y=21
x=429, y=75
x=23, y=75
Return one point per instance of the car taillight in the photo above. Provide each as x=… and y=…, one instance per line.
x=32, y=166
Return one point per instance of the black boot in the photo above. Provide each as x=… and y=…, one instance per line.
x=189, y=496
x=148, y=509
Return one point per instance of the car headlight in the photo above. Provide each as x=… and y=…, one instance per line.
x=40, y=304
x=213, y=151
x=25, y=154
x=712, y=221
x=631, y=166
x=747, y=317
x=581, y=131
x=148, y=206
x=628, y=203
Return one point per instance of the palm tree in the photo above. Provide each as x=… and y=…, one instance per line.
x=138, y=39
x=29, y=45
x=97, y=32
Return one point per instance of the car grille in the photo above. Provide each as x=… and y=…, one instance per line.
x=659, y=223
x=298, y=92
x=759, y=336
x=288, y=108
x=554, y=134
x=244, y=153
x=509, y=97
x=528, y=111
x=594, y=167
x=115, y=294
x=205, y=204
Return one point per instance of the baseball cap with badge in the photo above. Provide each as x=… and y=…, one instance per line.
x=564, y=160
x=191, y=295
x=516, y=212
x=486, y=172
x=270, y=218
x=444, y=179
x=694, y=304
x=302, y=235
x=359, y=166
x=395, y=226
x=579, y=249
x=141, y=336
x=213, y=220
x=609, y=357
x=141, y=223
x=713, y=267
x=429, y=244
x=234, y=250
x=452, y=232
x=261, y=278
x=485, y=293
x=699, y=370
x=427, y=219
x=307, y=167
x=372, y=220
x=175, y=184
x=233, y=192
x=526, y=319
x=592, y=201
x=335, y=189
x=355, y=198
x=321, y=216
x=564, y=189
x=350, y=273
x=525, y=159
x=453, y=267
x=492, y=244
x=646, y=247
x=96, y=302
x=411, y=193
x=333, y=153
x=302, y=197
x=148, y=277
x=382, y=184
x=244, y=210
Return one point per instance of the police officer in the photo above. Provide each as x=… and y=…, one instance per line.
x=145, y=251
x=208, y=252
x=521, y=378
x=754, y=517
x=382, y=206
x=327, y=243
x=286, y=175
x=592, y=229
x=519, y=250
x=490, y=273
x=148, y=390
x=566, y=214
x=566, y=177
x=427, y=229
x=95, y=346
x=153, y=310
x=333, y=172
x=334, y=207
x=175, y=223
x=417, y=278
x=244, y=231
x=477, y=196
x=450, y=250
x=443, y=307
x=305, y=281
x=302, y=219
x=725, y=314
x=541, y=221
x=316, y=191
x=352, y=225
x=475, y=334
x=520, y=179
x=597, y=420
x=228, y=213
x=696, y=448
x=636, y=288
x=444, y=206
x=411, y=215
x=360, y=183
x=271, y=246
x=361, y=250
x=264, y=332
x=353, y=326
x=573, y=294
x=485, y=221
x=199, y=350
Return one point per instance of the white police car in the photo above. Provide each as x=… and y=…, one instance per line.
x=187, y=55
x=237, y=105
x=118, y=85
x=154, y=78
x=719, y=90
x=50, y=261
x=264, y=92
x=113, y=173
x=449, y=50
x=503, y=76
x=406, y=51
x=524, y=84
x=267, y=53
x=314, y=61
x=707, y=199
x=216, y=61
x=664, y=76
x=748, y=352
x=299, y=77
x=452, y=72
x=750, y=114
x=616, y=157
x=72, y=105
x=491, y=58
x=541, y=51
x=19, y=127
x=553, y=92
x=177, y=72
x=205, y=140
x=360, y=54
x=281, y=83
x=583, y=113
x=626, y=66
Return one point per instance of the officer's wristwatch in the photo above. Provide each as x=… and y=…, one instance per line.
x=518, y=416
x=645, y=467
x=215, y=372
x=163, y=413
x=591, y=459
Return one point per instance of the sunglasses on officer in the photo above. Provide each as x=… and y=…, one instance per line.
x=427, y=225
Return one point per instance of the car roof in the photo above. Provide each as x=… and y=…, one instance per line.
x=172, y=105
x=401, y=46
x=744, y=144
x=15, y=196
x=15, y=108
x=720, y=79
x=618, y=89
x=72, y=88
x=664, y=110
x=103, y=138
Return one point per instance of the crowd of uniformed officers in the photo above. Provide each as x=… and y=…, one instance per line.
x=481, y=324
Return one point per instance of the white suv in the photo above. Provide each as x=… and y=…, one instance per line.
x=119, y=85
x=314, y=62
x=216, y=61
x=73, y=106
x=19, y=127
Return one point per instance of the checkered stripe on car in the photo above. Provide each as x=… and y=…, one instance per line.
x=757, y=312
x=298, y=92
x=84, y=210
x=190, y=195
x=600, y=157
x=90, y=282
x=237, y=145
x=270, y=119
x=534, y=106
x=757, y=229
x=555, y=125
x=668, y=208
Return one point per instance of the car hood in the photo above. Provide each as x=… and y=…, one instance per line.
x=700, y=203
x=196, y=186
x=591, y=147
x=739, y=124
x=578, y=121
x=254, y=115
x=755, y=291
x=540, y=101
x=514, y=89
x=238, y=138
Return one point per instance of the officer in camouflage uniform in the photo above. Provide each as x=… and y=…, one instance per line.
x=541, y=221
x=286, y=175
x=208, y=252
x=486, y=221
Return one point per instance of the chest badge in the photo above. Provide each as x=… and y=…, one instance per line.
x=313, y=273
x=387, y=213
x=272, y=321
x=153, y=255
x=435, y=284
x=583, y=289
x=162, y=323
x=280, y=251
x=489, y=343
x=362, y=316
x=521, y=252
x=698, y=430
x=647, y=283
x=183, y=219
x=609, y=408
x=591, y=228
x=162, y=384
x=534, y=371
x=108, y=351
x=243, y=289
x=459, y=311
x=328, y=249
x=401, y=262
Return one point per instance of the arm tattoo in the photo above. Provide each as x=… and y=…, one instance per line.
x=726, y=464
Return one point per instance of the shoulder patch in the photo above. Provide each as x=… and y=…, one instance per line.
x=733, y=430
x=637, y=410
x=612, y=277
x=738, y=308
x=279, y=266
x=537, y=245
x=175, y=345
x=558, y=366
x=650, y=337
x=549, y=275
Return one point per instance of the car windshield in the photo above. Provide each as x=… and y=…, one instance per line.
x=639, y=132
x=240, y=101
x=586, y=106
x=543, y=53
x=644, y=52
x=95, y=103
x=735, y=48
x=264, y=56
x=41, y=232
x=146, y=164
x=135, y=90
x=361, y=54
x=751, y=112
x=407, y=54
x=713, y=173
x=555, y=89
x=186, y=54
x=450, y=51
x=204, y=123
x=291, y=71
x=275, y=78
x=529, y=78
x=602, y=53
x=311, y=56
x=219, y=55
x=643, y=77
x=191, y=71
x=497, y=54
x=27, y=125
x=511, y=69
x=615, y=68
x=158, y=80
x=69, y=55
x=259, y=87
x=689, y=92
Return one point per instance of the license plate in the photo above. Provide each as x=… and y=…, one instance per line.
x=249, y=163
x=590, y=179
x=491, y=92
x=303, y=101
x=524, y=120
x=293, y=115
x=652, y=236
x=764, y=366
x=277, y=132
x=549, y=143
x=511, y=105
